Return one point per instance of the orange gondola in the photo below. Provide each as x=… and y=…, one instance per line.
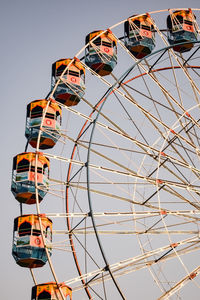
x=72, y=85
x=182, y=30
x=23, y=177
x=101, y=53
x=28, y=248
x=50, y=291
x=51, y=123
x=139, y=35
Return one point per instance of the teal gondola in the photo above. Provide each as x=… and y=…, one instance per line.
x=139, y=35
x=23, y=177
x=28, y=248
x=71, y=87
x=182, y=30
x=51, y=125
x=101, y=53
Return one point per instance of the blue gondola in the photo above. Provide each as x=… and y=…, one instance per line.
x=182, y=29
x=28, y=248
x=139, y=35
x=101, y=53
x=23, y=177
x=72, y=86
x=51, y=123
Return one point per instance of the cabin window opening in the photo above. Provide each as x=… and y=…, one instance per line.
x=45, y=170
x=36, y=232
x=97, y=42
x=57, y=114
x=44, y=296
x=39, y=169
x=50, y=116
x=74, y=73
x=60, y=70
x=188, y=22
x=48, y=233
x=24, y=229
x=137, y=23
x=107, y=44
x=36, y=229
x=146, y=27
x=177, y=22
x=134, y=29
x=177, y=19
x=36, y=112
x=23, y=166
x=82, y=75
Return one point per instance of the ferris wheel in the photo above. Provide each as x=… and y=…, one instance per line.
x=114, y=151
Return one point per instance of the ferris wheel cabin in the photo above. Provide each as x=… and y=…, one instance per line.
x=101, y=53
x=51, y=123
x=139, y=35
x=50, y=291
x=72, y=85
x=28, y=248
x=23, y=177
x=182, y=30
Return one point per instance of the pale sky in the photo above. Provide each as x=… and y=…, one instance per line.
x=33, y=35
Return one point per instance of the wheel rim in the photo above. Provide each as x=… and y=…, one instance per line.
x=157, y=183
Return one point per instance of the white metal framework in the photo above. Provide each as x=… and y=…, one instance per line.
x=124, y=192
